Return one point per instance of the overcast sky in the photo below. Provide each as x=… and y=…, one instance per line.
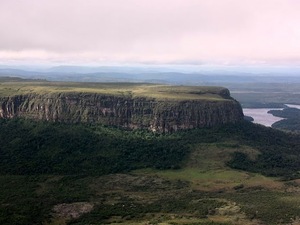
x=151, y=31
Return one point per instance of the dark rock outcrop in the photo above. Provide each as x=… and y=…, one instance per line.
x=128, y=112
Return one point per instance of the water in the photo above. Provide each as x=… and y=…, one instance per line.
x=261, y=116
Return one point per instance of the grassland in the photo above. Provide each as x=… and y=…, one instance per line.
x=157, y=91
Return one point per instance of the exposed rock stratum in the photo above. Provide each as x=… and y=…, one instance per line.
x=162, y=114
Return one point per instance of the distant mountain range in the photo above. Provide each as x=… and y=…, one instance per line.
x=148, y=74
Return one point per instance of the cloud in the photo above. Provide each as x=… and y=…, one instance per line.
x=156, y=30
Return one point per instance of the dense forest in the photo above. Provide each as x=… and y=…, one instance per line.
x=29, y=147
x=44, y=164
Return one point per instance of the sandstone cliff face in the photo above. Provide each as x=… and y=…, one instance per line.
x=138, y=112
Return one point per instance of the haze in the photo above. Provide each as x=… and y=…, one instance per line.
x=221, y=32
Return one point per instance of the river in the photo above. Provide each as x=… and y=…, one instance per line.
x=261, y=115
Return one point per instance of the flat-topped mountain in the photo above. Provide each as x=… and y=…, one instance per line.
x=157, y=107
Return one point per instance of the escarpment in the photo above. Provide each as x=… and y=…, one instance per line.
x=161, y=115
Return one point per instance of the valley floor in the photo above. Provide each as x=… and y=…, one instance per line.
x=214, y=176
x=205, y=192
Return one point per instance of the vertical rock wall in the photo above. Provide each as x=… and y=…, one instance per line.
x=156, y=115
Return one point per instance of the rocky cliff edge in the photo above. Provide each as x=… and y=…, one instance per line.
x=158, y=108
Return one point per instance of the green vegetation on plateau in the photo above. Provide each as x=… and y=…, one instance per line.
x=157, y=91
x=213, y=176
